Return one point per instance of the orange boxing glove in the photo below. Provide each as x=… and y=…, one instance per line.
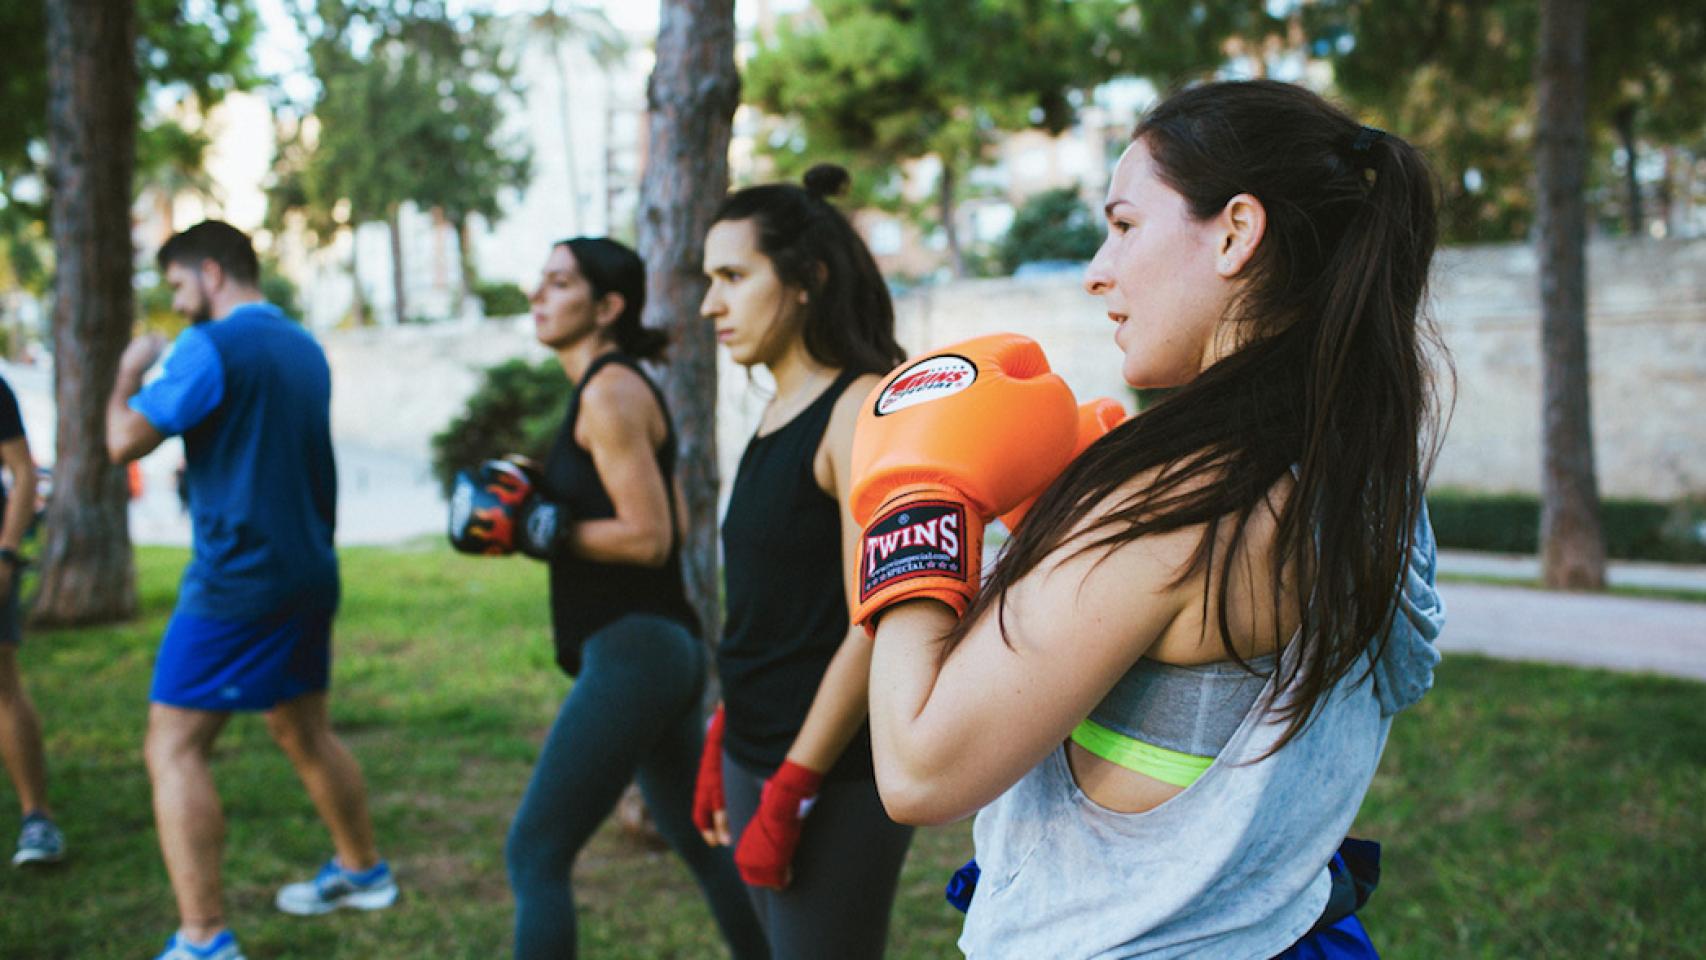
x=945, y=444
x=1096, y=420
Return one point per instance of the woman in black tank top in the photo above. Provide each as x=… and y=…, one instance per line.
x=619, y=614
x=794, y=290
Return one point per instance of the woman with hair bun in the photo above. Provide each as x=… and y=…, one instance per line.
x=794, y=290
x=603, y=512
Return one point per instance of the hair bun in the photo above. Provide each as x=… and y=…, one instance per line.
x=827, y=180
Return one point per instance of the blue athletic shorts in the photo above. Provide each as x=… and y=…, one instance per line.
x=1345, y=940
x=226, y=665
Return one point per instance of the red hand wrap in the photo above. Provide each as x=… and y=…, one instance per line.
x=708, y=790
x=766, y=848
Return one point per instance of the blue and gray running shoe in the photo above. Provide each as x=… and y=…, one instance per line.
x=39, y=842
x=222, y=947
x=334, y=887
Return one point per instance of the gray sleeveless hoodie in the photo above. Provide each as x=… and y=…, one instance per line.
x=1233, y=868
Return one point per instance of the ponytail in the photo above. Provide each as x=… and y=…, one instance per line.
x=613, y=267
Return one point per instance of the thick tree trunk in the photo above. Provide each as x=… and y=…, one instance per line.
x=692, y=96
x=946, y=206
x=1572, y=548
x=395, y=223
x=1625, y=121
x=87, y=572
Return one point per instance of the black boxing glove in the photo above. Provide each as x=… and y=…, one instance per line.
x=498, y=510
x=543, y=521
x=485, y=507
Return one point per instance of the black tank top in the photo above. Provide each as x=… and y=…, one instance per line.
x=787, y=599
x=588, y=594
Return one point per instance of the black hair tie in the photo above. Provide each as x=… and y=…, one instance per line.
x=1365, y=140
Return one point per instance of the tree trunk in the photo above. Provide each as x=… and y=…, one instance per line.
x=946, y=207
x=1668, y=193
x=87, y=572
x=1625, y=122
x=565, y=118
x=1572, y=548
x=691, y=97
x=395, y=223
x=465, y=262
x=358, y=299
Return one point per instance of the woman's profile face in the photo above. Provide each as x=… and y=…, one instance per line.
x=746, y=300
x=1156, y=275
x=564, y=308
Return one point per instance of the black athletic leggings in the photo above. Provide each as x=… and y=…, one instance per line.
x=633, y=713
x=845, y=871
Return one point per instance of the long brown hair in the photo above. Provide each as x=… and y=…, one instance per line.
x=1332, y=378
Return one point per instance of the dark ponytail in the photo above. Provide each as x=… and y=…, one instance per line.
x=613, y=267
x=847, y=321
x=1332, y=380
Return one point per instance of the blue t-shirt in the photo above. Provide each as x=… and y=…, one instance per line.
x=190, y=386
x=251, y=396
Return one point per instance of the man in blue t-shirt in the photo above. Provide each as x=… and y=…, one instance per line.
x=250, y=393
x=20, y=728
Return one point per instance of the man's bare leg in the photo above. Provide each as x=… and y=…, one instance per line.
x=187, y=813
x=303, y=729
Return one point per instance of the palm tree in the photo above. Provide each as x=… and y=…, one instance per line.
x=574, y=23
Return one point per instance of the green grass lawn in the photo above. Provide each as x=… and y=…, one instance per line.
x=1526, y=811
x=1683, y=594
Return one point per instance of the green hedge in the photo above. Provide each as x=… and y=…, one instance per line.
x=501, y=299
x=517, y=409
x=1052, y=225
x=1510, y=523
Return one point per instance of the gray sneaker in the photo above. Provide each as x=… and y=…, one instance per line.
x=334, y=887
x=39, y=842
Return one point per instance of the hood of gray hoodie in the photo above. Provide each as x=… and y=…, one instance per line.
x=1405, y=669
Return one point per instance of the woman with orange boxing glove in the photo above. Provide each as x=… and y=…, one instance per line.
x=1166, y=700
x=786, y=773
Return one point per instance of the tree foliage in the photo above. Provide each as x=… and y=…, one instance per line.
x=875, y=83
x=188, y=53
x=1171, y=42
x=410, y=100
x=1052, y=225
x=1457, y=77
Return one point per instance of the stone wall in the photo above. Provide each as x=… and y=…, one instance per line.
x=1647, y=331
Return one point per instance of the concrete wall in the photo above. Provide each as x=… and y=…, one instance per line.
x=1647, y=360
x=394, y=388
